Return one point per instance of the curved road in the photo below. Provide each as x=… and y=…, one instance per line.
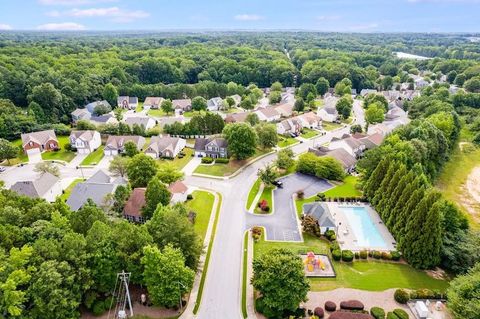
x=222, y=290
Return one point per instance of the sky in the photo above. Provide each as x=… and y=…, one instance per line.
x=318, y=15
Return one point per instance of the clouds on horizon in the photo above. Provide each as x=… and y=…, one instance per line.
x=65, y=26
x=4, y=27
x=114, y=14
x=248, y=17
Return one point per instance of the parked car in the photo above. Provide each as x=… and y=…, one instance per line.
x=2, y=169
x=279, y=184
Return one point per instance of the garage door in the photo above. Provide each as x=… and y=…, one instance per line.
x=110, y=152
x=34, y=155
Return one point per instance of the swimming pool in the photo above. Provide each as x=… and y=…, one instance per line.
x=365, y=231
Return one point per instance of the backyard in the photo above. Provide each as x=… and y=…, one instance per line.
x=62, y=154
x=366, y=275
x=94, y=157
x=202, y=204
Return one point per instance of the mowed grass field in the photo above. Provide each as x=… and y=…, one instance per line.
x=62, y=154
x=202, y=204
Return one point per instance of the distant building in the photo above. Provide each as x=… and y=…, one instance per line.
x=81, y=114
x=215, y=104
x=153, y=102
x=46, y=186
x=182, y=105
x=90, y=107
x=236, y=117
x=268, y=114
x=211, y=147
x=127, y=102
x=352, y=145
x=103, y=119
x=85, y=141
x=142, y=121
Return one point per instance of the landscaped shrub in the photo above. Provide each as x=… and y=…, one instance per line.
x=352, y=305
x=386, y=255
x=256, y=233
x=377, y=313
x=424, y=294
x=310, y=225
x=207, y=160
x=363, y=254
x=391, y=315
x=321, y=196
x=357, y=255
x=300, y=194
x=222, y=160
x=347, y=255
x=319, y=312
x=401, y=296
x=189, y=197
x=337, y=254
x=377, y=255
x=330, y=306
x=329, y=233
x=334, y=246
x=400, y=313
x=395, y=255
x=349, y=315
x=370, y=253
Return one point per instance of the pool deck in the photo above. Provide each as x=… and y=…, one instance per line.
x=345, y=234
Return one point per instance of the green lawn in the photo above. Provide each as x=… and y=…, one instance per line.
x=180, y=162
x=21, y=158
x=327, y=126
x=318, y=103
x=139, y=107
x=253, y=192
x=69, y=189
x=346, y=189
x=309, y=133
x=365, y=275
x=192, y=113
x=62, y=154
x=157, y=112
x=227, y=169
x=94, y=157
x=286, y=141
x=347, y=121
x=267, y=194
x=202, y=204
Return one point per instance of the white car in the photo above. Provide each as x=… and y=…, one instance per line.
x=2, y=169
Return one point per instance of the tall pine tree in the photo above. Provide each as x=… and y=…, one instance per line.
x=380, y=192
x=374, y=181
x=400, y=171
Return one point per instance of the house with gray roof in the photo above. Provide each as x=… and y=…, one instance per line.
x=142, y=121
x=211, y=147
x=353, y=146
x=165, y=146
x=103, y=119
x=90, y=107
x=328, y=112
x=85, y=141
x=215, y=104
x=80, y=114
x=182, y=105
x=116, y=144
x=152, y=102
x=347, y=161
x=97, y=188
x=321, y=213
x=127, y=102
x=46, y=186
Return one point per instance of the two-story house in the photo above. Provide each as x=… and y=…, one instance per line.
x=211, y=147
x=353, y=146
x=85, y=141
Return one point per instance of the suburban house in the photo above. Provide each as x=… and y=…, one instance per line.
x=215, y=104
x=236, y=117
x=116, y=144
x=85, y=141
x=347, y=161
x=46, y=186
x=127, y=102
x=90, y=107
x=268, y=114
x=285, y=109
x=152, y=102
x=370, y=141
x=179, y=192
x=133, y=207
x=165, y=146
x=353, y=146
x=142, y=121
x=103, y=119
x=211, y=147
x=289, y=126
x=182, y=105
x=365, y=92
x=394, y=113
x=37, y=142
x=321, y=213
x=237, y=98
x=329, y=111
x=97, y=188
x=80, y=114
x=310, y=120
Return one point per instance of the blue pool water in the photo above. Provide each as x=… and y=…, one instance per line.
x=363, y=228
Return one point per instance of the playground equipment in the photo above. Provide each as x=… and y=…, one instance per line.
x=312, y=262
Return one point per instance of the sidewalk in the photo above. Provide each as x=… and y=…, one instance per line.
x=191, y=166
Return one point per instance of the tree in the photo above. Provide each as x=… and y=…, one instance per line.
x=267, y=175
x=374, y=113
x=246, y=103
x=280, y=279
x=140, y=170
x=84, y=218
x=167, y=106
x=49, y=99
x=7, y=150
x=165, y=274
x=170, y=225
x=376, y=98
x=460, y=79
x=156, y=193
x=472, y=85
x=242, y=140
x=285, y=158
x=307, y=163
x=110, y=94
x=275, y=97
x=101, y=109
x=252, y=119
x=118, y=112
x=356, y=128
x=169, y=173
x=464, y=293
x=344, y=106
x=120, y=196
x=131, y=149
x=47, y=167
x=322, y=86
x=267, y=135
x=305, y=89
x=299, y=105
x=118, y=166
x=84, y=125
x=344, y=87
x=199, y=103
x=230, y=101
x=329, y=168
x=137, y=130
x=276, y=86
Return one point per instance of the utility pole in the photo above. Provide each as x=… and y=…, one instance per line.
x=121, y=294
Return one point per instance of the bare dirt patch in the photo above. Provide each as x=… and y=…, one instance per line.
x=471, y=194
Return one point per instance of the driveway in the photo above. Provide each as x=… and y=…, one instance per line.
x=34, y=157
x=282, y=225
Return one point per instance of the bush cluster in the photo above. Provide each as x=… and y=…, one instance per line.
x=401, y=296
x=349, y=315
x=401, y=314
x=263, y=205
x=377, y=312
x=426, y=294
x=347, y=255
x=256, y=233
x=330, y=234
x=207, y=160
x=337, y=254
x=222, y=160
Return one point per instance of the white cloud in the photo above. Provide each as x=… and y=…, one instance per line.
x=66, y=26
x=54, y=14
x=4, y=27
x=113, y=13
x=328, y=17
x=71, y=2
x=248, y=17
